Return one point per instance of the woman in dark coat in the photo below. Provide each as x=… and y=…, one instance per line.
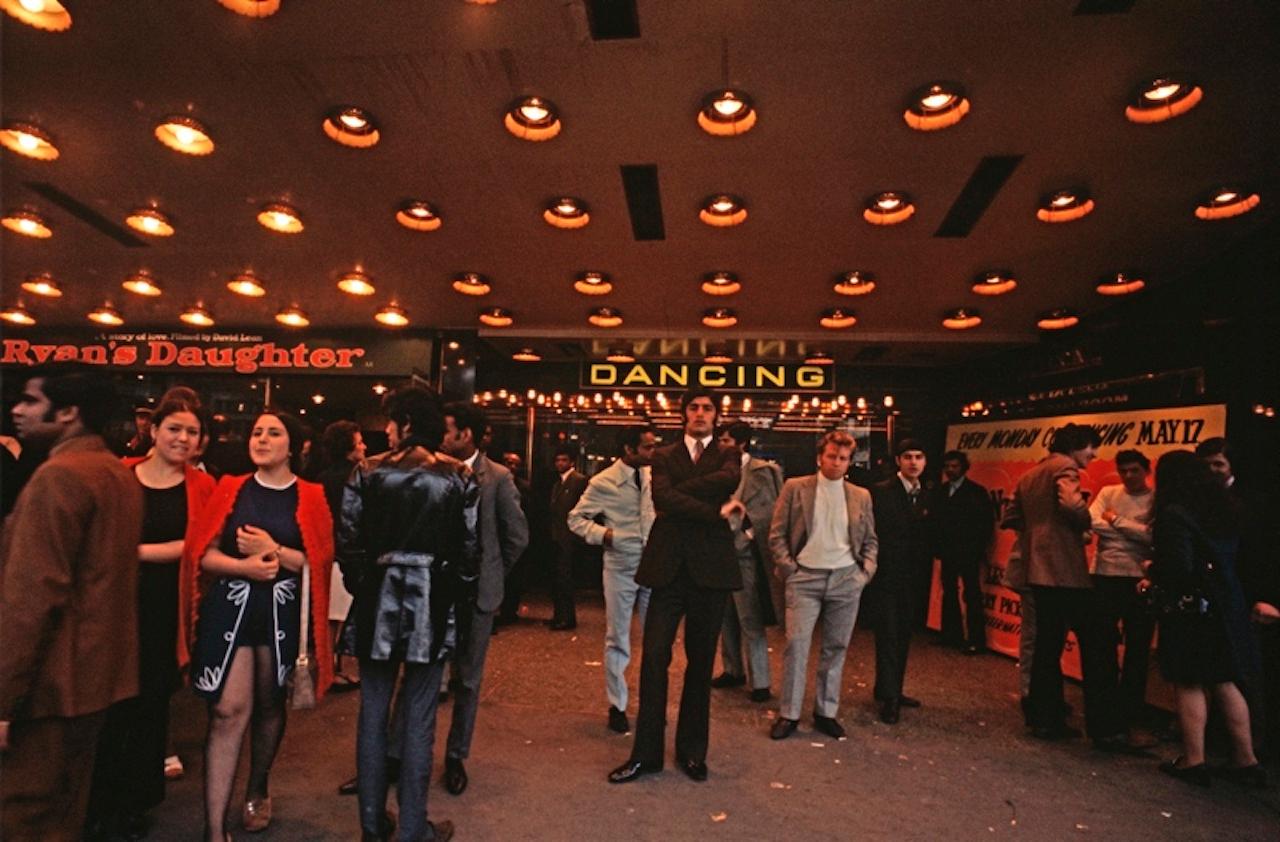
x=1205, y=647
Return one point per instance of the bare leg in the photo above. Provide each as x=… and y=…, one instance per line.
x=228, y=719
x=269, y=714
x=1193, y=711
x=1236, y=713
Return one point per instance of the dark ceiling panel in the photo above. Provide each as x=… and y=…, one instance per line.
x=1104, y=7
x=644, y=202
x=87, y=215
x=978, y=193
x=613, y=20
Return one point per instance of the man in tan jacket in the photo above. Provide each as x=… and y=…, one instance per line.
x=68, y=607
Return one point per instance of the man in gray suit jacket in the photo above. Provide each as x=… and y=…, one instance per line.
x=745, y=619
x=616, y=512
x=503, y=533
x=823, y=538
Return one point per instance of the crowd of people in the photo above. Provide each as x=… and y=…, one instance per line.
x=121, y=579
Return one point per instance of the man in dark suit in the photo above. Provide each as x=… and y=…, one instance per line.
x=504, y=533
x=963, y=528
x=564, y=496
x=905, y=558
x=691, y=565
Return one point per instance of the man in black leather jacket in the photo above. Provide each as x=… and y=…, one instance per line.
x=409, y=555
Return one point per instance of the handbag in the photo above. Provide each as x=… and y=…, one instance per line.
x=1198, y=601
x=302, y=684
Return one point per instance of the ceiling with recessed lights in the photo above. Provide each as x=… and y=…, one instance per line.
x=916, y=174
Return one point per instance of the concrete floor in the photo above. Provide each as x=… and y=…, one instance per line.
x=960, y=768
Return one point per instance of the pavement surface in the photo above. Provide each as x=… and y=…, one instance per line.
x=959, y=768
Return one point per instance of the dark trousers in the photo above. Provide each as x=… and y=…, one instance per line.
x=703, y=613
x=1120, y=607
x=1076, y=609
x=964, y=570
x=895, y=609
x=468, y=669
x=44, y=786
x=419, y=692
x=562, y=582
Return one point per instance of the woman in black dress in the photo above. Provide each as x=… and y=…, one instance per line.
x=1206, y=650
x=260, y=531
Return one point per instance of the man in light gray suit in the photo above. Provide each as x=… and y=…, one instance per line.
x=751, y=607
x=503, y=533
x=616, y=512
x=823, y=539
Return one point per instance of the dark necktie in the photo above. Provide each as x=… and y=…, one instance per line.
x=914, y=496
x=639, y=487
x=697, y=451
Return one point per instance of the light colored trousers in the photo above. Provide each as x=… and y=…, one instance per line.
x=622, y=597
x=832, y=597
x=743, y=626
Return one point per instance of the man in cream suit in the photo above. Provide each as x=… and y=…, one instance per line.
x=616, y=512
x=823, y=539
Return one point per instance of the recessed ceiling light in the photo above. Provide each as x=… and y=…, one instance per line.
x=888, y=208
x=1057, y=319
x=718, y=356
x=351, y=126
x=936, y=106
x=1227, y=202
x=855, y=283
x=48, y=15
x=961, y=318
x=252, y=8
x=994, y=283
x=497, y=317
x=292, y=316
x=620, y=355
x=721, y=283
x=532, y=118
x=247, y=284
x=1064, y=206
x=392, y=316
x=141, y=283
x=42, y=285
x=593, y=283
x=280, y=217
x=819, y=358
x=184, y=134
x=723, y=210
x=27, y=223
x=526, y=355
x=567, y=212
x=837, y=318
x=605, y=317
x=471, y=283
x=356, y=283
x=106, y=315
x=28, y=140
x=150, y=221
x=198, y=316
x=726, y=112
x=419, y=216
x=1121, y=283
x=17, y=315
x=719, y=317
x=1163, y=99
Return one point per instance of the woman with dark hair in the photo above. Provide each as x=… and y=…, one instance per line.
x=341, y=449
x=258, y=534
x=129, y=768
x=1205, y=648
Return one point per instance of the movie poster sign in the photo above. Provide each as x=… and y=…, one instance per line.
x=1000, y=452
x=225, y=352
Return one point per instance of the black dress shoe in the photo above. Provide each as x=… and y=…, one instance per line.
x=1254, y=777
x=695, y=769
x=351, y=787
x=562, y=625
x=618, y=721
x=443, y=831
x=724, y=679
x=761, y=694
x=908, y=701
x=889, y=711
x=782, y=729
x=629, y=771
x=1055, y=732
x=1198, y=774
x=455, y=775
x=829, y=726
